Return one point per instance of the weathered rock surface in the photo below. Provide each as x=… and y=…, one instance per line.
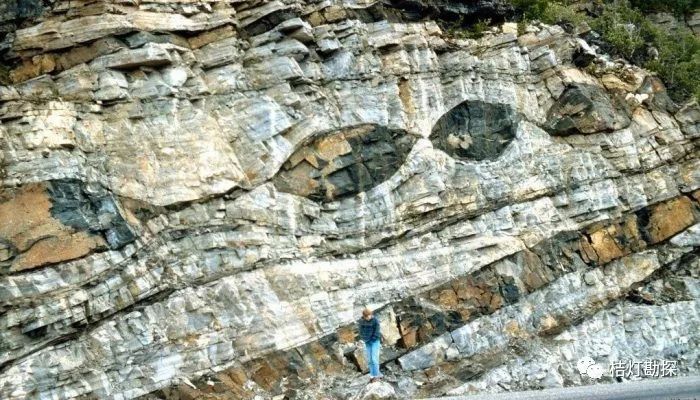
x=345, y=163
x=198, y=197
x=585, y=109
x=475, y=131
x=377, y=391
x=57, y=221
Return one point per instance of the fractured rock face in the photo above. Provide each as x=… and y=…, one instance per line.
x=345, y=162
x=475, y=130
x=198, y=198
x=59, y=221
x=377, y=391
x=585, y=109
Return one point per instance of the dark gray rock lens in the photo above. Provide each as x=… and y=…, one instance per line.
x=93, y=211
x=584, y=109
x=345, y=162
x=475, y=130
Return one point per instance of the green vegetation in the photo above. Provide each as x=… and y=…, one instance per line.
x=548, y=11
x=475, y=31
x=620, y=26
x=678, y=7
x=631, y=34
x=678, y=63
x=623, y=26
x=4, y=75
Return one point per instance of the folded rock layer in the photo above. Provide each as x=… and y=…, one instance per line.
x=199, y=197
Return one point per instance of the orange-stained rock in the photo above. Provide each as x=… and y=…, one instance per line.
x=605, y=246
x=614, y=241
x=465, y=312
x=468, y=290
x=425, y=332
x=237, y=376
x=26, y=216
x=211, y=36
x=408, y=334
x=316, y=352
x=38, y=238
x=316, y=358
x=266, y=375
x=669, y=218
x=331, y=147
x=648, y=226
x=432, y=372
x=32, y=68
x=346, y=334
x=227, y=385
x=56, y=249
x=187, y=393
x=588, y=253
x=268, y=372
x=495, y=303
x=446, y=297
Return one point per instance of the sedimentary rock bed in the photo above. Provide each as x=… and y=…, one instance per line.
x=198, y=197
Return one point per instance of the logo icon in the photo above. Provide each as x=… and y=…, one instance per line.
x=595, y=371
x=583, y=364
x=587, y=366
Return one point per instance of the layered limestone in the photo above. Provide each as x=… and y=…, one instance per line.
x=198, y=198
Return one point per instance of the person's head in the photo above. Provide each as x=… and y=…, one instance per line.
x=367, y=314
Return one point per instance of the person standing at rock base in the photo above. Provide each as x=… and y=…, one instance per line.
x=369, y=333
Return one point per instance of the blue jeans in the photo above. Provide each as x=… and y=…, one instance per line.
x=372, y=350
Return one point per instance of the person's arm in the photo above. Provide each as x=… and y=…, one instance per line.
x=376, y=334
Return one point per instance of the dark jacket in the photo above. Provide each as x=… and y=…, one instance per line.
x=369, y=330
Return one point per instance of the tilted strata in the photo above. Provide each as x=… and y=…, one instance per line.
x=208, y=188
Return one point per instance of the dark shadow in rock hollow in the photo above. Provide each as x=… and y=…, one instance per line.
x=475, y=130
x=344, y=162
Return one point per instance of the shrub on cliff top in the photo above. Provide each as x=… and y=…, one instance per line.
x=623, y=26
x=678, y=7
x=549, y=11
x=633, y=36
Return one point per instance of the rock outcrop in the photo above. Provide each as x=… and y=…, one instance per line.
x=377, y=391
x=198, y=198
